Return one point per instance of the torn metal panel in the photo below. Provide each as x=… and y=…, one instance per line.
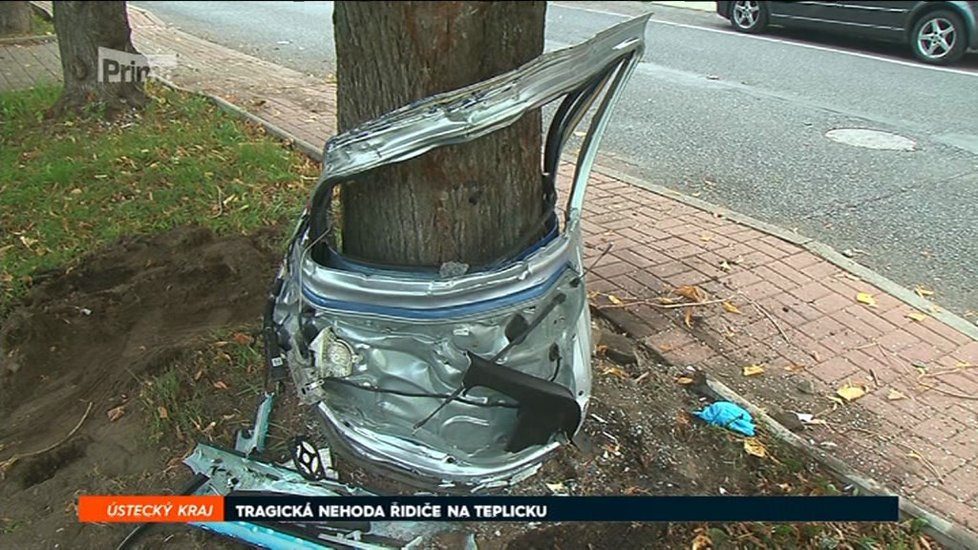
x=228, y=473
x=461, y=378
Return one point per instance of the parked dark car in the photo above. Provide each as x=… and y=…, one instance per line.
x=937, y=32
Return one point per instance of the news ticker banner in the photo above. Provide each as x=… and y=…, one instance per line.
x=186, y=509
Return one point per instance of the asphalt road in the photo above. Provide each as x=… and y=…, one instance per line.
x=740, y=121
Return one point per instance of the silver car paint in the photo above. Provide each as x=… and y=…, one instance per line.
x=408, y=332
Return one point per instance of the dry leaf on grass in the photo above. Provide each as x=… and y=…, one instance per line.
x=115, y=413
x=917, y=316
x=754, y=447
x=162, y=412
x=866, y=298
x=850, y=392
x=895, y=395
x=220, y=385
x=242, y=339
x=753, y=370
x=730, y=307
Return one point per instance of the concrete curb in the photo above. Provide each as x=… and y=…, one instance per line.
x=303, y=146
x=14, y=40
x=946, y=532
x=820, y=249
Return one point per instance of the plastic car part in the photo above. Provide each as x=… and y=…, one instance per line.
x=415, y=338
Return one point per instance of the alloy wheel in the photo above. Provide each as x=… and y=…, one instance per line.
x=746, y=13
x=936, y=38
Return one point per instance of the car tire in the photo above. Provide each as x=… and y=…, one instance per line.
x=939, y=38
x=748, y=16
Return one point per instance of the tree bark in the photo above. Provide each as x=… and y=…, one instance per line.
x=15, y=18
x=83, y=27
x=467, y=203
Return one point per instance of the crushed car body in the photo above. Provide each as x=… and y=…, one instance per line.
x=459, y=378
x=450, y=379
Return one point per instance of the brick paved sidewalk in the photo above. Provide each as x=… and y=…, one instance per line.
x=798, y=313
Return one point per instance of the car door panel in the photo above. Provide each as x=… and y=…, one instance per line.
x=879, y=18
x=813, y=14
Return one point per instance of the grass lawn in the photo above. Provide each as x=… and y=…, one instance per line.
x=69, y=186
x=41, y=26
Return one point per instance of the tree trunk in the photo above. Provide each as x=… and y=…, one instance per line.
x=467, y=203
x=15, y=18
x=83, y=27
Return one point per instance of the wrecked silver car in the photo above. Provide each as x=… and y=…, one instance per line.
x=452, y=379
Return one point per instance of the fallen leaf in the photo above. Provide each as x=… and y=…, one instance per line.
x=793, y=367
x=724, y=266
x=666, y=348
x=116, y=413
x=691, y=293
x=850, y=392
x=614, y=299
x=684, y=380
x=220, y=385
x=556, y=487
x=688, y=317
x=161, y=410
x=615, y=371
x=866, y=298
x=243, y=339
x=701, y=542
x=923, y=292
x=963, y=365
x=917, y=316
x=895, y=395
x=730, y=307
x=706, y=237
x=754, y=447
x=753, y=370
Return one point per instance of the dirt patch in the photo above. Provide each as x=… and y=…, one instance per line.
x=91, y=335
x=164, y=327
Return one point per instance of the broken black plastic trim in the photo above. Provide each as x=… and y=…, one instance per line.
x=545, y=407
x=274, y=363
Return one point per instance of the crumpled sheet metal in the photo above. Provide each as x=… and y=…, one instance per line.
x=371, y=413
x=229, y=472
x=477, y=110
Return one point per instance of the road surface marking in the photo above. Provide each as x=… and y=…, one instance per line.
x=781, y=41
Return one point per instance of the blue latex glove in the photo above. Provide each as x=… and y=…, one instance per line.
x=728, y=415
